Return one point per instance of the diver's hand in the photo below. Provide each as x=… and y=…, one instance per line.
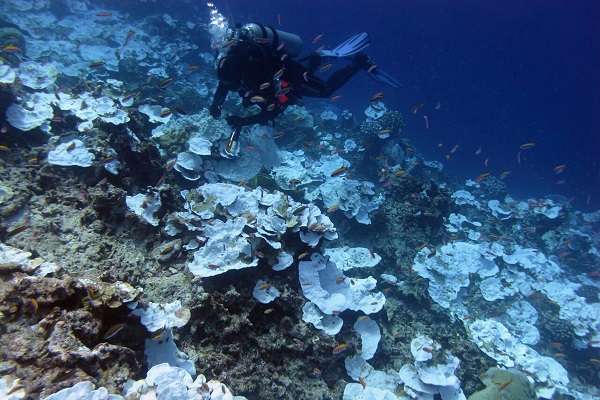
x=235, y=121
x=215, y=111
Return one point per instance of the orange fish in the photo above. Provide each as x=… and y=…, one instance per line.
x=339, y=171
x=317, y=38
x=340, y=348
x=11, y=48
x=129, y=36
x=482, y=177
x=376, y=96
x=104, y=14
x=334, y=98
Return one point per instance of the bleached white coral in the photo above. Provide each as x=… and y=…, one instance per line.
x=37, y=76
x=375, y=110
x=145, y=206
x=370, y=334
x=463, y=197
x=83, y=391
x=155, y=113
x=163, y=316
x=72, y=153
x=347, y=258
x=7, y=75
x=264, y=292
x=226, y=249
x=326, y=286
x=330, y=324
x=35, y=111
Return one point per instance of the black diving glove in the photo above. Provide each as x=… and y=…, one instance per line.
x=235, y=121
x=215, y=111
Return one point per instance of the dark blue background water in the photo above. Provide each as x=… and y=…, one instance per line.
x=505, y=73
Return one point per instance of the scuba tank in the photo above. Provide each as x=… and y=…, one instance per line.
x=272, y=37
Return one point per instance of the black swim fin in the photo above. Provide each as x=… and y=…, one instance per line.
x=383, y=77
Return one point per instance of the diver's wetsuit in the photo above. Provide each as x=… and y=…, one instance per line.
x=257, y=65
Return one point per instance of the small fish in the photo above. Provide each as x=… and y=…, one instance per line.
x=96, y=64
x=257, y=99
x=71, y=146
x=167, y=249
x=113, y=330
x=193, y=67
x=526, y=146
x=279, y=19
x=279, y=74
x=268, y=311
x=561, y=182
x=11, y=48
x=385, y=131
x=362, y=317
x=264, y=286
x=519, y=158
x=560, y=355
x=213, y=266
x=416, y=108
x=104, y=14
x=305, y=76
x=454, y=148
x=31, y=306
x=129, y=36
x=482, y=177
x=341, y=170
x=400, y=173
x=158, y=335
x=377, y=96
x=165, y=82
x=4, y=148
x=165, y=112
x=271, y=107
x=340, y=348
x=372, y=68
x=595, y=361
x=326, y=67
x=486, y=162
x=559, y=169
x=557, y=345
x=317, y=38
x=278, y=135
x=281, y=46
x=426, y=118
x=335, y=98
x=303, y=255
x=504, y=174
x=264, y=86
x=440, y=145
x=504, y=385
x=362, y=382
x=283, y=57
x=437, y=106
x=427, y=349
x=340, y=279
x=478, y=151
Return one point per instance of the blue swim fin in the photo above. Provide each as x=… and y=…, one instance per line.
x=349, y=47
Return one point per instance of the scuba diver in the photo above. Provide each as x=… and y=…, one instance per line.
x=258, y=62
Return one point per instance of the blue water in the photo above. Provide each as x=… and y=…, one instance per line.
x=503, y=74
